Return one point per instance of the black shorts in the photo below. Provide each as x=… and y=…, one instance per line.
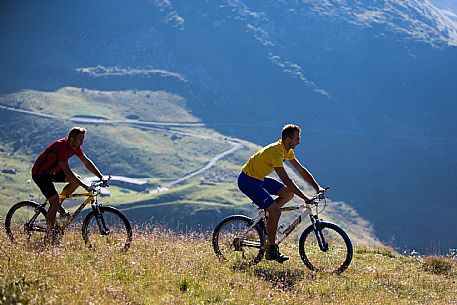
x=45, y=182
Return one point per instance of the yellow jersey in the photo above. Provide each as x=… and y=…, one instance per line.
x=266, y=159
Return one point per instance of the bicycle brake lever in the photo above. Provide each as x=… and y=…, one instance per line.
x=105, y=183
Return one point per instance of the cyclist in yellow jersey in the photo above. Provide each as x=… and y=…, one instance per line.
x=254, y=182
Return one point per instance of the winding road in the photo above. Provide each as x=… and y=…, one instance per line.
x=149, y=125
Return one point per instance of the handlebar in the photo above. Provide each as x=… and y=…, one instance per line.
x=97, y=185
x=318, y=197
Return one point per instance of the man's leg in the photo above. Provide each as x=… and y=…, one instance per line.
x=259, y=192
x=68, y=189
x=284, y=196
x=274, y=213
x=51, y=214
x=45, y=183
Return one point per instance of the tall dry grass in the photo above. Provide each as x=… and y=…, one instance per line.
x=163, y=267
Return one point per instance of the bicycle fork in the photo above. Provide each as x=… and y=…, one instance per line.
x=323, y=245
x=100, y=220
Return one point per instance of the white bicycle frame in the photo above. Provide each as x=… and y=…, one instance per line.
x=307, y=210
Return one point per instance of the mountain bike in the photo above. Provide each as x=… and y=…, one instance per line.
x=323, y=246
x=104, y=227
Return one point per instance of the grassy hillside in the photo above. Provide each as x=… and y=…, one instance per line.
x=165, y=268
x=157, y=154
x=116, y=105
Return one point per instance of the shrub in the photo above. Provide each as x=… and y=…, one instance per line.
x=437, y=265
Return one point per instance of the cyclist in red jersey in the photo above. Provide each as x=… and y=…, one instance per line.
x=52, y=166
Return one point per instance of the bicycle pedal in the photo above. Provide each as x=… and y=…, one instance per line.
x=282, y=259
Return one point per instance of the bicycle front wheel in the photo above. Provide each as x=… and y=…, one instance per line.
x=25, y=223
x=326, y=249
x=109, y=231
x=235, y=243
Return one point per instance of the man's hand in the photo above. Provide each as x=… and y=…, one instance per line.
x=88, y=188
x=105, y=179
x=320, y=190
x=308, y=200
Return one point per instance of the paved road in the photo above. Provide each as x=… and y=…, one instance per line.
x=148, y=125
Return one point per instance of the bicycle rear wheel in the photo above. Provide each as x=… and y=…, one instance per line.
x=234, y=243
x=338, y=253
x=25, y=224
x=114, y=235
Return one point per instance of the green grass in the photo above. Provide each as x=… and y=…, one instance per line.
x=165, y=268
x=15, y=186
x=116, y=105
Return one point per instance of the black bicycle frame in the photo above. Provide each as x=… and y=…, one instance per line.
x=30, y=225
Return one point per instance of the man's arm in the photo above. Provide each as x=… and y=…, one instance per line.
x=70, y=175
x=91, y=166
x=290, y=184
x=306, y=175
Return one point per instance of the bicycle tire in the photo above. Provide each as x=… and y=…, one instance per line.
x=338, y=256
x=229, y=244
x=18, y=227
x=118, y=237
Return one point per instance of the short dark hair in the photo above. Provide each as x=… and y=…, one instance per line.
x=75, y=131
x=289, y=130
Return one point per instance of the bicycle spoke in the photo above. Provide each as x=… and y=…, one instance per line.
x=233, y=243
x=335, y=259
x=21, y=227
x=114, y=236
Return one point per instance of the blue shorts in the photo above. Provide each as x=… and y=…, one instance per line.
x=259, y=191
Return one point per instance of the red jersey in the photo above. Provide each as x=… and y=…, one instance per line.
x=58, y=151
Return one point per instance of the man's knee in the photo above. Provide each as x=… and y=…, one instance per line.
x=286, y=194
x=54, y=200
x=290, y=195
x=274, y=210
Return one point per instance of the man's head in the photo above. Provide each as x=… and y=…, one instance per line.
x=76, y=136
x=290, y=136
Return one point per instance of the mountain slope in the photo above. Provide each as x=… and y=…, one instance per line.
x=371, y=83
x=182, y=190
